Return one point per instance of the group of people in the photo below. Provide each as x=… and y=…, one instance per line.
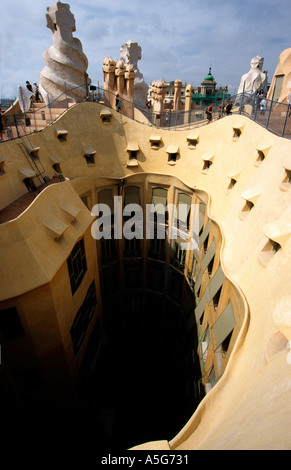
x=221, y=110
x=34, y=90
x=261, y=102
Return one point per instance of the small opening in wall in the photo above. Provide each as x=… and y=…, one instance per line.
x=248, y=206
x=29, y=183
x=90, y=158
x=286, y=183
x=62, y=137
x=133, y=154
x=232, y=183
x=155, y=144
x=57, y=168
x=192, y=143
x=2, y=170
x=172, y=157
x=269, y=251
x=207, y=164
x=275, y=246
x=236, y=133
x=34, y=155
x=246, y=209
x=261, y=156
x=106, y=118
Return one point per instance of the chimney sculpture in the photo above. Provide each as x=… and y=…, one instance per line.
x=119, y=80
x=66, y=64
x=158, y=97
x=130, y=54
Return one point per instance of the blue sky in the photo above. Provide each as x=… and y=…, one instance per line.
x=178, y=39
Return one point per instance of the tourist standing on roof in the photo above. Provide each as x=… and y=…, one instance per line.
x=117, y=103
x=228, y=108
x=28, y=86
x=209, y=111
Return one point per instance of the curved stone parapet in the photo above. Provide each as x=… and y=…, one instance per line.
x=66, y=64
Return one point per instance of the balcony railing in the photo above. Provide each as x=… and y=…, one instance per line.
x=276, y=117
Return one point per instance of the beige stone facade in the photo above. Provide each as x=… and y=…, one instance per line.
x=234, y=290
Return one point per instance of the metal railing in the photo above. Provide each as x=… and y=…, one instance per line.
x=276, y=117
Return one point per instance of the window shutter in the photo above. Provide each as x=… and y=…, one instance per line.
x=214, y=284
x=200, y=308
x=224, y=325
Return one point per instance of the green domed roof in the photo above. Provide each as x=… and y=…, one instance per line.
x=209, y=76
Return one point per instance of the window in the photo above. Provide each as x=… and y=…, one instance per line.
x=192, y=140
x=155, y=141
x=77, y=265
x=175, y=284
x=29, y=183
x=278, y=87
x=133, y=154
x=57, y=168
x=286, y=183
x=271, y=248
x=225, y=342
x=210, y=266
x=248, y=206
x=236, y=133
x=110, y=287
x=90, y=159
x=261, y=156
x=132, y=247
x=133, y=274
x=216, y=298
x=232, y=183
x=10, y=324
x=105, y=197
x=214, y=287
x=34, y=154
x=2, y=171
x=205, y=244
x=83, y=318
x=173, y=153
x=106, y=116
x=159, y=207
x=275, y=247
x=172, y=157
x=132, y=150
x=157, y=248
x=131, y=195
x=155, y=144
x=62, y=136
x=246, y=209
x=205, y=343
x=108, y=250
x=92, y=354
x=206, y=165
x=85, y=200
x=183, y=211
x=192, y=143
x=223, y=328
